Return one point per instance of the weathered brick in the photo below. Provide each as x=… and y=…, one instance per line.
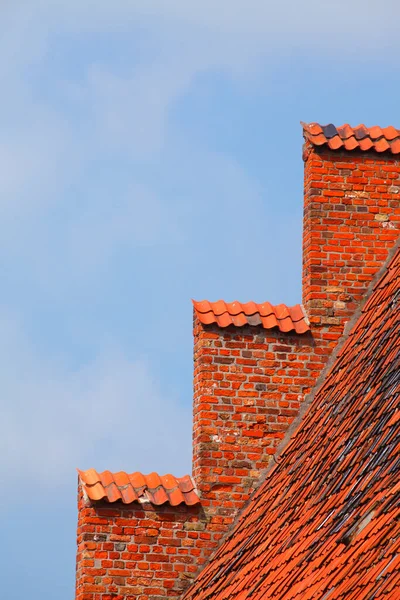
x=368, y=199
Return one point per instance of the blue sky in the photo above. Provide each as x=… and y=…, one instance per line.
x=151, y=153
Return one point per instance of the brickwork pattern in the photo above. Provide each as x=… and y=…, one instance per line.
x=139, y=551
x=248, y=386
x=351, y=220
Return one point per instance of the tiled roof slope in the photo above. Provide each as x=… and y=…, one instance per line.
x=325, y=523
x=136, y=487
x=286, y=318
x=349, y=138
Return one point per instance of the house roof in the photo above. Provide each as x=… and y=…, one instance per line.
x=325, y=522
x=286, y=318
x=136, y=487
x=349, y=138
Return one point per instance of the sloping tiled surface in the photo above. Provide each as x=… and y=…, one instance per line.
x=238, y=314
x=325, y=523
x=136, y=487
x=349, y=138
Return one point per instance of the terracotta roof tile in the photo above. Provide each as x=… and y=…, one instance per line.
x=325, y=522
x=238, y=314
x=349, y=138
x=136, y=487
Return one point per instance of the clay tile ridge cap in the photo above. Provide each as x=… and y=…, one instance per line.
x=286, y=318
x=111, y=487
x=378, y=139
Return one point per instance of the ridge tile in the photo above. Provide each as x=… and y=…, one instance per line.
x=136, y=487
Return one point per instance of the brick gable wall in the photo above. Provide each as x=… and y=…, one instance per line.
x=138, y=551
x=249, y=384
x=351, y=220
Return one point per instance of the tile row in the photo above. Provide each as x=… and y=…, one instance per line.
x=136, y=487
x=352, y=138
x=224, y=314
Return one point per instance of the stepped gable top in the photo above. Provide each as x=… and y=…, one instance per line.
x=136, y=487
x=286, y=318
x=362, y=138
x=324, y=523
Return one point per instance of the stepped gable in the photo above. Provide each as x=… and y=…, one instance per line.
x=324, y=524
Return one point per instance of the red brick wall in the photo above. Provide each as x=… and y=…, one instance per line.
x=249, y=383
x=351, y=220
x=139, y=551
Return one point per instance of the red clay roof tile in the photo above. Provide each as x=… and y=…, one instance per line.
x=349, y=138
x=325, y=522
x=136, y=487
x=238, y=314
x=175, y=497
x=137, y=480
x=159, y=496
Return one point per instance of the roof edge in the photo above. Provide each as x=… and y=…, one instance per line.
x=332, y=359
